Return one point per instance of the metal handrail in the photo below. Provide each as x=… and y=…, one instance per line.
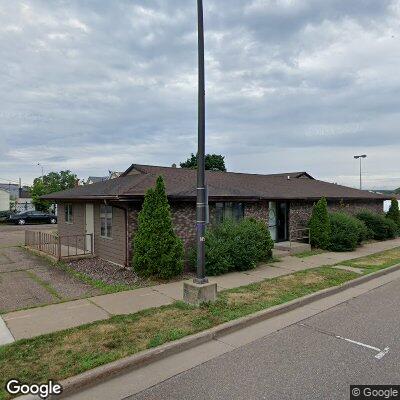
x=53, y=244
x=306, y=236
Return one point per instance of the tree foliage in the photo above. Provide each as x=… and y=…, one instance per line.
x=213, y=162
x=319, y=225
x=394, y=212
x=50, y=183
x=157, y=251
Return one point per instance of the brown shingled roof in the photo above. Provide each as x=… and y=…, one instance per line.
x=181, y=184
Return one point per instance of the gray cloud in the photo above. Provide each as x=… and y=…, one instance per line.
x=93, y=86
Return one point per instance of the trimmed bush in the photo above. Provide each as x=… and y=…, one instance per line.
x=346, y=232
x=363, y=232
x=394, y=213
x=319, y=225
x=379, y=227
x=235, y=246
x=251, y=243
x=157, y=251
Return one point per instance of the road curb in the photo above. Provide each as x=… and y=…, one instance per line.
x=89, y=378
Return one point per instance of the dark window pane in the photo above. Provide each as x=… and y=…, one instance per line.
x=238, y=211
x=102, y=226
x=109, y=227
x=219, y=211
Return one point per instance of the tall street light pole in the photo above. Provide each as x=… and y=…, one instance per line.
x=201, y=204
x=360, y=157
x=41, y=166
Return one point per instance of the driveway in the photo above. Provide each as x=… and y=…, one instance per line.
x=27, y=280
x=14, y=235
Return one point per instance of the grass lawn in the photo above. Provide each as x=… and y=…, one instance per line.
x=309, y=253
x=63, y=354
x=375, y=262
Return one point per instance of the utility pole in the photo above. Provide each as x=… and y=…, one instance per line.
x=41, y=166
x=201, y=205
x=360, y=157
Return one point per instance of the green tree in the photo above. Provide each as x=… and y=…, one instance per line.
x=157, y=251
x=320, y=229
x=394, y=212
x=213, y=162
x=50, y=183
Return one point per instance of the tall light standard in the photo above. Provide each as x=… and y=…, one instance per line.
x=201, y=203
x=360, y=157
x=41, y=166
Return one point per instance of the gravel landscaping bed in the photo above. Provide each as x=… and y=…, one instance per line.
x=107, y=272
x=112, y=274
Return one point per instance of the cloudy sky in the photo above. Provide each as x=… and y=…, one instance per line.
x=291, y=85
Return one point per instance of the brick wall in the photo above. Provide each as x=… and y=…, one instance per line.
x=257, y=210
x=300, y=211
x=184, y=219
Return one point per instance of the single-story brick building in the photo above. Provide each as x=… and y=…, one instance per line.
x=109, y=209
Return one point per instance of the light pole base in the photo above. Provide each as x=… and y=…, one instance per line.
x=197, y=293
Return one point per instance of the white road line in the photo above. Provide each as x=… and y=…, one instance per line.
x=381, y=353
x=359, y=343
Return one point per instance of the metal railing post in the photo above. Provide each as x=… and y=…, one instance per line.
x=59, y=248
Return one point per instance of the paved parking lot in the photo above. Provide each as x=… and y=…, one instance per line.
x=27, y=280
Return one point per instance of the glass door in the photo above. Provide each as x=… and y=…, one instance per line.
x=272, y=220
x=282, y=211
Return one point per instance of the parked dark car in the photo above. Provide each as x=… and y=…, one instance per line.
x=5, y=215
x=33, y=217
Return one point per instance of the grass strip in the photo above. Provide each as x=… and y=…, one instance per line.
x=66, y=353
x=309, y=253
x=376, y=261
x=44, y=284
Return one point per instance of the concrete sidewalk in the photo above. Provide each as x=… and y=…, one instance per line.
x=37, y=321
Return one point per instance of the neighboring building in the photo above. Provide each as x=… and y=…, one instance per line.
x=109, y=209
x=24, y=201
x=11, y=188
x=386, y=204
x=97, y=179
x=4, y=200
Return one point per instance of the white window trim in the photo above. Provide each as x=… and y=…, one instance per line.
x=106, y=216
x=70, y=214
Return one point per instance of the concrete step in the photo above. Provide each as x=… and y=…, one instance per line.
x=292, y=247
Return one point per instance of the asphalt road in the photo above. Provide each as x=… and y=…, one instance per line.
x=303, y=361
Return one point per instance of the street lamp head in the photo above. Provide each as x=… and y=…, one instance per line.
x=361, y=156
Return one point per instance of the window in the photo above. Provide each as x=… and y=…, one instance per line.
x=105, y=221
x=68, y=213
x=229, y=210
